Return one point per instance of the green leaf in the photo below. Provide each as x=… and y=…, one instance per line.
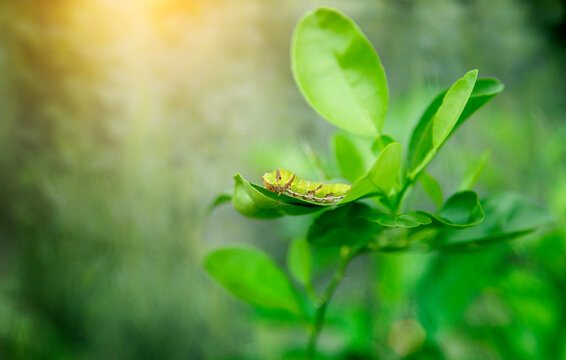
x=299, y=261
x=252, y=276
x=452, y=107
x=382, y=176
x=422, y=147
x=461, y=210
x=349, y=160
x=345, y=225
x=256, y=202
x=473, y=173
x=407, y=220
x=507, y=217
x=432, y=188
x=380, y=143
x=339, y=72
x=220, y=199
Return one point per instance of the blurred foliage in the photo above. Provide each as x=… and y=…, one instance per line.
x=121, y=121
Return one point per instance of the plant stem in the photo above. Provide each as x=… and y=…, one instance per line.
x=401, y=194
x=323, y=304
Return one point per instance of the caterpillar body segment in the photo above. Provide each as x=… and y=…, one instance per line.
x=286, y=182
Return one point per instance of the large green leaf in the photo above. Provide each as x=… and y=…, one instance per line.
x=299, y=260
x=382, y=176
x=422, y=146
x=345, y=225
x=252, y=276
x=350, y=162
x=339, y=72
x=257, y=202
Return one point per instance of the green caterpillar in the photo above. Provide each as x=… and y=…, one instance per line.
x=285, y=181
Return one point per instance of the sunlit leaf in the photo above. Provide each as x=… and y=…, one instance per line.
x=246, y=272
x=339, y=72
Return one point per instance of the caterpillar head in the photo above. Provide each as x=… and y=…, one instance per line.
x=277, y=179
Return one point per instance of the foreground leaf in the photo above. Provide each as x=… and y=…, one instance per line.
x=252, y=276
x=339, y=72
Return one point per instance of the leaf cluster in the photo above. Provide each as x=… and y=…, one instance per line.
x=341, y=76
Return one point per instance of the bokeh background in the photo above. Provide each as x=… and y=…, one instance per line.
x=120, y=121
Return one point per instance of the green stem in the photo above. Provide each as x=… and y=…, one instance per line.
x=401, y=194
x=323, y=303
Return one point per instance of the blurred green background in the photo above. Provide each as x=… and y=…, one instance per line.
x=121, y=121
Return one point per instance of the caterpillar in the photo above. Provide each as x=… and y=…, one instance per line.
x=286, y=182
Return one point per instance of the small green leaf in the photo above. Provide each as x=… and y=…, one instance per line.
x=345, y=225
x=432, y=188
x=339, y=72
x=380, y=143
x=252, y=276
x=507, y=217
x=452, y=107
x=349, y=160
x=461, y=210
x=421, y=147
x=473, y=173
x=299, y=261
x=220, y=199
x=407, y=220
x=382, y=176
x=256, y=202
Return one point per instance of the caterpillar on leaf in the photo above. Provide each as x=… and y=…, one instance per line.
x=286, y=182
